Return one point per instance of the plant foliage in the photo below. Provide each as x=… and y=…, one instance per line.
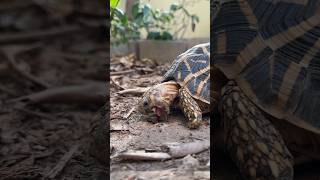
x=159, y=25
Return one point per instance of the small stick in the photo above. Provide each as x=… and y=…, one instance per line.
x=68, y=94
x=121, y=72
x=177, y=150
x=62, y=163
x=126, y=116
x=11, y=52
x=38, y=35
x=170, y=150
x=116, y=84
x=142, y=156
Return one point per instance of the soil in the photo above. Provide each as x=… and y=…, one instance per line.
x=134, y=133
x=45, y=45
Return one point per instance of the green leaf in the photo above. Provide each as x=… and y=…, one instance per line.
x=114, y=3
x=147, y=15
x=120, y=14
x=147, y=9
x=135, y=10
x=153, y=35
x=195, y=18
x=166, y=36
x=175, y=7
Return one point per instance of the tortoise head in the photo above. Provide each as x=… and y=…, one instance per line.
x=155, y=103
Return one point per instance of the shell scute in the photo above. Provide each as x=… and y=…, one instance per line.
x=191, y=70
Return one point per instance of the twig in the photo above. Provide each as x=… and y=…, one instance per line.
x=116, y=84
x=28, y=76
x=121, y=72
x=170, y=150
x=62, y=163
x=68, y=94
x=38, y=34
x=177, y=150
x=126, y=116
x=142, y=155
x=11, y=51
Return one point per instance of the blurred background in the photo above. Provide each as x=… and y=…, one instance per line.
x=198, y=8
x=53, y=58
x=142, y=27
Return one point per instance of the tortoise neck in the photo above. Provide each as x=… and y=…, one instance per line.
x=169, y=91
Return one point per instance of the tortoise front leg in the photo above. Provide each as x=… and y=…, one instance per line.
x=190, y=109
x=254, y=144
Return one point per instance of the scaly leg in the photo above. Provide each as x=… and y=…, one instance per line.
x=252, y=141
x=190, y=109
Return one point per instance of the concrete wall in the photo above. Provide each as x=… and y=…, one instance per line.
x=162, y=51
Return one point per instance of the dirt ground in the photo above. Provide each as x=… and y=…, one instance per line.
x=133, y=133
x=45, y=47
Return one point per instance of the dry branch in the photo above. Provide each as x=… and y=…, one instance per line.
x=11, y=51
x=177, y=150
x=126, y=116
x=62, y=163
x=118, y=86
x=121, y=72
x=7, y=38
x=142, y=155
x=170, y=150
x=82, y=94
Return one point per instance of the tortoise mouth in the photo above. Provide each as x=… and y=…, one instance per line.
x=161, y=114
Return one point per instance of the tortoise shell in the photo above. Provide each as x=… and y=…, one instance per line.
x=191, y=70
x=271, y=48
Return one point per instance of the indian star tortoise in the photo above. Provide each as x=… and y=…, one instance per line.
x=269, y=52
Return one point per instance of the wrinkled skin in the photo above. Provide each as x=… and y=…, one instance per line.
x=155, y=104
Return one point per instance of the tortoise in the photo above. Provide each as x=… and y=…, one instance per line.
x=269, y=53
x=265, y=83
x=185, y=85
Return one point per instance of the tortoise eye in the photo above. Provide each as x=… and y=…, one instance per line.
x=145, y=103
